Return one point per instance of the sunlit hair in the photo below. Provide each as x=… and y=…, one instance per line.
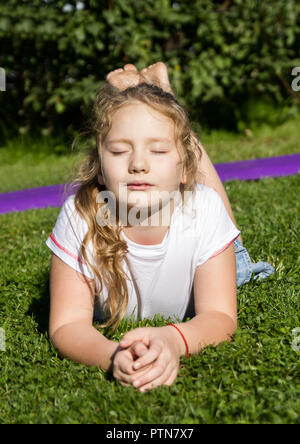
x=109, y=249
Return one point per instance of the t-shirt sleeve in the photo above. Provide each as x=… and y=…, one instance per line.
x=217, y=229
x=67, y=236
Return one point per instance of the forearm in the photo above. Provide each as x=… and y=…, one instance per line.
x=84, y=344
x=204, y=329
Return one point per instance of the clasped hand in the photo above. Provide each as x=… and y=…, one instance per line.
x=148, y=357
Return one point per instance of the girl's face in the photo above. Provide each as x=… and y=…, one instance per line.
x=140, y=146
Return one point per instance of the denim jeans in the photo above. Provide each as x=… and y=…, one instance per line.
x=245, y=268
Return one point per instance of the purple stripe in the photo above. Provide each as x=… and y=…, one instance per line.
x=53, y=195
x=50, y=196
x=259, y=168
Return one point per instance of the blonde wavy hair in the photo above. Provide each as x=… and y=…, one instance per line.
x=109, y=249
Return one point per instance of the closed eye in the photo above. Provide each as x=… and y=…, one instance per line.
x=121, y=152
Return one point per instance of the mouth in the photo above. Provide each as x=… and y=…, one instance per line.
x=139, y=186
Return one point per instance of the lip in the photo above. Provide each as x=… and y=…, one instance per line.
x=139, y=182
x=139, y=185
x=143, y=186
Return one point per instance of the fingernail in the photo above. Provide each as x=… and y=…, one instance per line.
x=136, y=383
x=136, y=365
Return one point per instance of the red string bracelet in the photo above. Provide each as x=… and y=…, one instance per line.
x=186, y=344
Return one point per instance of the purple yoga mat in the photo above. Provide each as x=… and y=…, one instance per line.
x=50, y=196
x=53, y=195
x=259, y=168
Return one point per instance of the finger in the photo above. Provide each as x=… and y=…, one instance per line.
x=139, y=349
x=125, y=359
x=138, y=334
x=172, y=377
x=151, y=355
x=152, y=376
x=164, y=379
x=127, y=380
x=125, y=363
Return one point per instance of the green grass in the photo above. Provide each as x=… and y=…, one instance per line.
x=254, y=379
x=27, y=162
x=263, y=141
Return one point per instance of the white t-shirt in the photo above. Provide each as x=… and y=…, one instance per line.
x=163, y=273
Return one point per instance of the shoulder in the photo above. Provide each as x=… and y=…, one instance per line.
x=200, y=209
x=69, y=204
x=69, y=217
x=203, y=192
x=205, y=208
x=69, y=207
x=203, y=199
x=67, y=238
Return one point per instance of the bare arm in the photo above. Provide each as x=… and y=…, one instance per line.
x=71, y=318
x=215, y=304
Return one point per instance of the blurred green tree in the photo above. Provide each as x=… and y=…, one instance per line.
x=220, y=54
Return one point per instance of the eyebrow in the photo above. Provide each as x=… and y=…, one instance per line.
x=150, y=139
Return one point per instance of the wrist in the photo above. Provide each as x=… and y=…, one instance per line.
x=176, y=339
x=114, y=348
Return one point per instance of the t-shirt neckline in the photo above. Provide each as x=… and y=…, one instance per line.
x=153, y=246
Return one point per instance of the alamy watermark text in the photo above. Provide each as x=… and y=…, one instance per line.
x=296, y=81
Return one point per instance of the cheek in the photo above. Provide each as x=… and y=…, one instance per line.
x=167, y=167
x=176, y=167
x=111, y=172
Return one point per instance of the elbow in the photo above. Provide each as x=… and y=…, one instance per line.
x=234, y=325
x=54, y=338
x=231, y=329
x=57, y=337
x=227, y=321
x=61, y=340
x=228, y=326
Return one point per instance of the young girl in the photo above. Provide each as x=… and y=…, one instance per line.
x=131, y=256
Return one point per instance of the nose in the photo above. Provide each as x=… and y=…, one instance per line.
x=138, y=163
